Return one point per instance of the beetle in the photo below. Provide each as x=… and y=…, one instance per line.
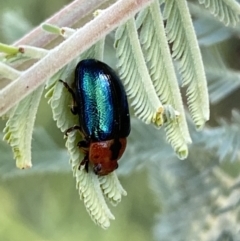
x=100, y=101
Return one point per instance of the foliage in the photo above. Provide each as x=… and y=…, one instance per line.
x=155, y=49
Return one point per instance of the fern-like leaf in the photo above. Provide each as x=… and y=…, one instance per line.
x=141, y=154
x=88, y=186
x=208, y=29
x=87, y=183
x=185, y=48
x=227, y=11
x=91, y=188
x=58, y=99
x=161, y=70
x=133, y=71
x=19, y=128
x=51, y=160
x=112, y=188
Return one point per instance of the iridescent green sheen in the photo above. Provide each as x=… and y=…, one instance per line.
x=101, y=101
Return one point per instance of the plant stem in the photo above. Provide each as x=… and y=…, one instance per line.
x=81, y=40
x=67, y=16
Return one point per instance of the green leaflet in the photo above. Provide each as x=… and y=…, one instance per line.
x=161, y=69
x=45, y=151
x=185, y=49
x=51, y=28
x=91, y=188
x=19, y=128
x=226, y=11
x=112, y=188
x=209, y=34
x=58, y=99
x=133, y=71
x=88, y=185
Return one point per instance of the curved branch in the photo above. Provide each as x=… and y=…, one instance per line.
x=81, y=40
x=67, y=16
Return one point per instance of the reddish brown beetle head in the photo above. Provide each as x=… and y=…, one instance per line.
x=104, y=155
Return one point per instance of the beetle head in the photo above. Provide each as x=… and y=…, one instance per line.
x=105, y=154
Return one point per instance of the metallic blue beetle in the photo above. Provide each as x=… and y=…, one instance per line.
x=100, y=101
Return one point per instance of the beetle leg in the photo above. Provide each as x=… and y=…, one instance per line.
x=70, y=90
x=97, y=168
x=83, y=144
x=73, y=128
x=85, y=163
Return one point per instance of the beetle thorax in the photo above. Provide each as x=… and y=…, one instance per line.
x=105, y=154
